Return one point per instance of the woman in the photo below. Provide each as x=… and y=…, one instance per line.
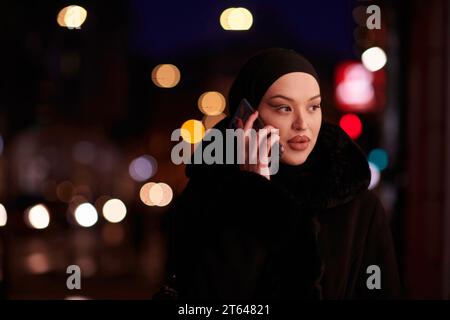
x=310, y=231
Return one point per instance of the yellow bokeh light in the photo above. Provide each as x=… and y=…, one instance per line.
x=61, y=16
x=114, y=210
x=224, y=18
x=37, y=217
x=211, y=103
x=71, y=17
x=211, y=121
x=75, y=17
x=236, y=19
x=166, y=75
x=192, y=131
x=167, y=194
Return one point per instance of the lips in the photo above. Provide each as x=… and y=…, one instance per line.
x=299, y=143
x=299, y=139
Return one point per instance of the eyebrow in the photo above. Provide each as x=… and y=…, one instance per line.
x=290, y=99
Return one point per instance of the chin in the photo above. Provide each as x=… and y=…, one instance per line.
x=294, y=159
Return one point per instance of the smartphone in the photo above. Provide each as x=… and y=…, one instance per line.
x=243, y=112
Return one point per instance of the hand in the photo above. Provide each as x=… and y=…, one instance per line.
x=258, y=150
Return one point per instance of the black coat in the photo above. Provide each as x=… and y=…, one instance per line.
x=308, y=233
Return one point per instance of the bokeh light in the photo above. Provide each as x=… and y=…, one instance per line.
x=37, y=217
x=61, y=16
x=144, y=193
x=224, y=18
x=72, y=17
x=351, y=124
x=374, y=59
x=212, y=103
x=374, y=176
x=73, y=205
x=236, y=19
x=354, y=86
x=86, y=215
x=166, y=75
x=37, y=263
x=155, y=194
x=143, y=168
x=167, y=194
x=3, y=216
x=192, y=131
x=114, y=210
x=379, y=158
x=76, y=298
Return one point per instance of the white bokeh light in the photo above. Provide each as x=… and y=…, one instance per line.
x=86, y=215
x=3, y=216
x=167, y=194
x=114, y=210
x=38, y=217
x=374, y=59
x=156, y=194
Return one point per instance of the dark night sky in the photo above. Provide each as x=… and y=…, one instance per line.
x=169, y=26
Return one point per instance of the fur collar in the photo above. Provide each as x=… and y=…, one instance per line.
x=334, y=173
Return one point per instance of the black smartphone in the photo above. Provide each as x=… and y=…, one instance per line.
x=243, y=112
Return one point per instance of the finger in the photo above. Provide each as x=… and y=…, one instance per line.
x=251, y=119
x=253, y=147
x=263, y=145
x=265, y=136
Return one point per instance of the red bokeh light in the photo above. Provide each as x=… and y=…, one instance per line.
x=352, y=125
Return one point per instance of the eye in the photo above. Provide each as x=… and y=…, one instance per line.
x=314, y=108
x=284, y=109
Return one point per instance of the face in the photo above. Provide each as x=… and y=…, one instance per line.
x=292, y=105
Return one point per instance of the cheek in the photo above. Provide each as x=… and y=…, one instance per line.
x=269, y=117
x=317, y=125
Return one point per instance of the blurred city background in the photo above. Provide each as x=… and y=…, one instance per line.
x=91, y=91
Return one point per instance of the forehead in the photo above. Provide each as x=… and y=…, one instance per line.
x=298, y=85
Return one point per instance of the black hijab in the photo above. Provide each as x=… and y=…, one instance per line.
x=336, y=169
x=263, y=69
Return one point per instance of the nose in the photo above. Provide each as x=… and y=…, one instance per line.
x=299, y=122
